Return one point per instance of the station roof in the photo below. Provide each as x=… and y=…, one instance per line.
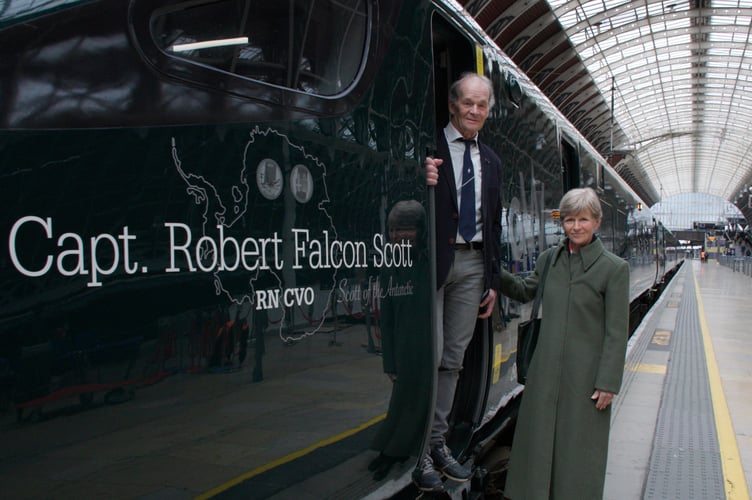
x=662, y=88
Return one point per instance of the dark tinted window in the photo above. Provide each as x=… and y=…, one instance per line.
x=313, y=47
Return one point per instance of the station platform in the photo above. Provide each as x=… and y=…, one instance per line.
x=681, y=425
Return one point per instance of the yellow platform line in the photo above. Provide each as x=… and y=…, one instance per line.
x=733, y=471
x=288, y=458
x=650, y=368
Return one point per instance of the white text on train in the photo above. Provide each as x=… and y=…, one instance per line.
x=77, y=256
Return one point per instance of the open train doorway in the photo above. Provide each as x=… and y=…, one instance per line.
x=454, y=54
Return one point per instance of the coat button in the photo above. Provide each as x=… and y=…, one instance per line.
x=455, y=216
x=451, y=241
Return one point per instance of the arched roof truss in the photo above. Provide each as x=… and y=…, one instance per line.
x=669, y=80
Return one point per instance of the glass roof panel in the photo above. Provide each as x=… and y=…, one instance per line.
x=680, y=75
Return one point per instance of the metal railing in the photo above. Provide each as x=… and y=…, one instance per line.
x=737, y=264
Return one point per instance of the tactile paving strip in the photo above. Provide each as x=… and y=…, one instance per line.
x=685, y=462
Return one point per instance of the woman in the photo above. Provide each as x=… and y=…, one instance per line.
x=561, y=440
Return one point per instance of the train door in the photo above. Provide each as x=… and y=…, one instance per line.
x=454, y=54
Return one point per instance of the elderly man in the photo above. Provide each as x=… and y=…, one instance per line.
x=467, y=178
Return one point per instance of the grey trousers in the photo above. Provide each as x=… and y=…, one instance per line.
x=457, y=305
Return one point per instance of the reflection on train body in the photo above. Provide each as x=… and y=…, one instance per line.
x=201, y=294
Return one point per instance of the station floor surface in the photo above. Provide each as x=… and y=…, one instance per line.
x=682, y=423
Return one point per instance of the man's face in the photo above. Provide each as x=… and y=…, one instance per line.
x=470, y=111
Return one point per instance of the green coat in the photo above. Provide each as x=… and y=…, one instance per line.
x=561, y=440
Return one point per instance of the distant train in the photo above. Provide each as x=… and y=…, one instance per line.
x=196, y=261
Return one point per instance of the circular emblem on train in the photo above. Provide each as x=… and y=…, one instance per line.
x=301, y=183
x=269, y=178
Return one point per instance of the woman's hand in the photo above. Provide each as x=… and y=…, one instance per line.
x=602, y=399
x=487, y=304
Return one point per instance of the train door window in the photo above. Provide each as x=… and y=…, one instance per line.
x=570, y=165
x=312, y=47
x=453, y=54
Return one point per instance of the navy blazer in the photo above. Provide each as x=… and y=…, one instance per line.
x=447, y=213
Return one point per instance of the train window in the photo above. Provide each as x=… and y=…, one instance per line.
x=570, y=165
x=312, y=47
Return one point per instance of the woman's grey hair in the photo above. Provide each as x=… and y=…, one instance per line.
x=454, y=90
x=580, y=200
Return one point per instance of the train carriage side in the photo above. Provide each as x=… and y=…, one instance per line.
x=204, y=267
x=201, y=277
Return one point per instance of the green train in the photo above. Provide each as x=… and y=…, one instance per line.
x=197, y=267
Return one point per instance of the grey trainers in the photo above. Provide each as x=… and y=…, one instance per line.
x=425, y=476
x=445, y=462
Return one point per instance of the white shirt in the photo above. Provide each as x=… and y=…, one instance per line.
x=457, y=152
